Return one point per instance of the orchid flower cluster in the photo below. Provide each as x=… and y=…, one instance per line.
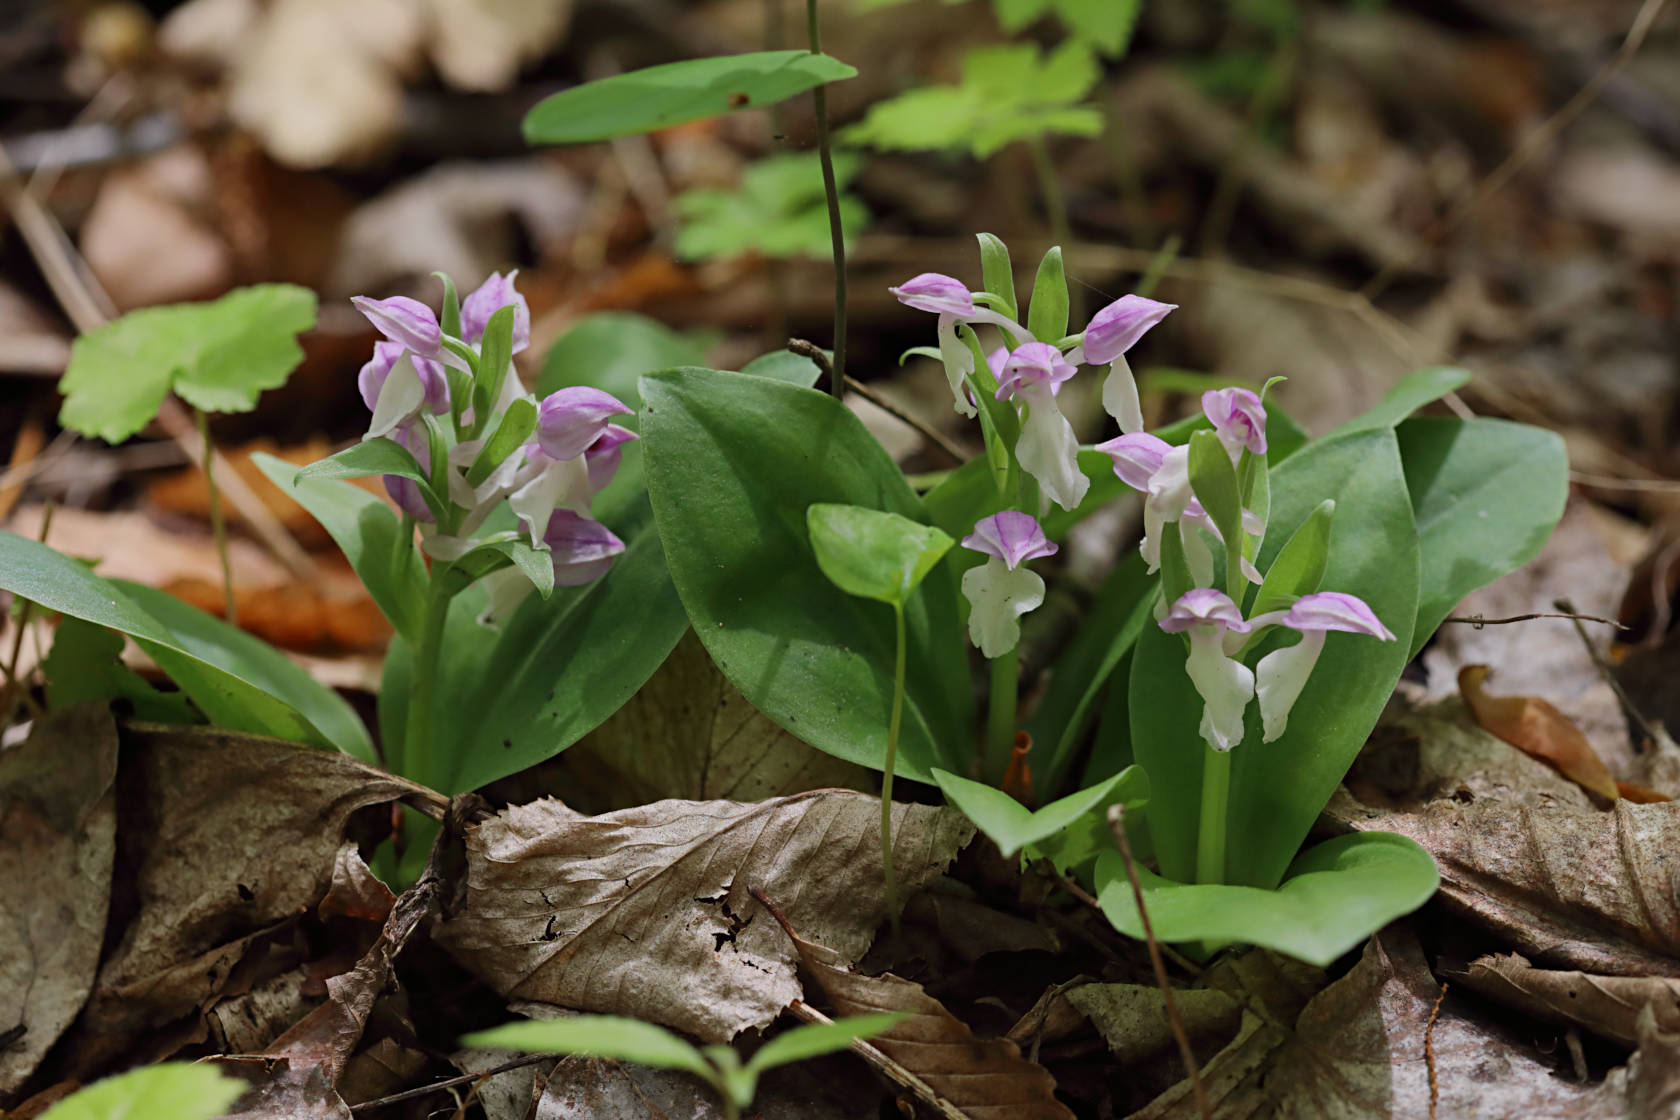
x=447, y=394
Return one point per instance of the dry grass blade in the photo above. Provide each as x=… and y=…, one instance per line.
x=983, y=1079
x=1606, y=1005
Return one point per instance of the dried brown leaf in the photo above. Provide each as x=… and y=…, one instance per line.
x=645, y=912
x=1596, y=891
x=1606, y=1005
x=1534, y=726
x=58, y=829
x=983, y=1079
x=1132, y=1018
x=594, y=1088
x=355, y=892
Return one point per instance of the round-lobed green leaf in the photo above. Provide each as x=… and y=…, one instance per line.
x=871, y=553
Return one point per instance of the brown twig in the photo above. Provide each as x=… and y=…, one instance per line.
x=1647, y=732
x=451, y=1082
x=1116, y=823
x=1429, y=1052
x=814, y=352
x=1478, y=621
x=1532, y=144
x=1610, y=482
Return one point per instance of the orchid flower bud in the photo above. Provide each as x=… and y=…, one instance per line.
x=1000, y=591
x=1113, y=331
x=1224, y=683
x=571, y=419
x=404, y=491
x=490, y=297
x=1239, y=419
x=1283, y=673
x=581, y=549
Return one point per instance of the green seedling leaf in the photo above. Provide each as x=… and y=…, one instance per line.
x=218, y=356
x=733, y=463
x=1410, y=393
x=166, y=1091
x=1332, y=898
x=85, y=666
x=1486, y=494
x=662, y=96
x=517, y=424
x=1278, y=788
x=1012, y=826
x=997, y=274
x=1214, y=481
x=599, y=1036
x=816, y=1039
x=495, y=355
x=880, y=556
x=1047, y=318
x=780, y=210
x=1105, y=23
x=1299, y=568
x=368, y=532
x=1007, y=93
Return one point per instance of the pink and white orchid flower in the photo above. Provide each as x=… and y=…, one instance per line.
x=1048, y=450
x=950, y=299
x=1283, y=673
x=1113, y=331
x=1224, y=683
x=1001, y=590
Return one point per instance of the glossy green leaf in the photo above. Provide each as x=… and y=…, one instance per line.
x=252, y=659
x=1012, y=826
x=816, y=1039
x=516, y=426
x=780, y=210
x=1214, y=481
x=1278, y=788
x=662, y=96
x=1047, y=315
x=166, y=1091
x=877, y=555
x=996, y=272
x=733, y=463
x=1410, y=393
x=369, y=457
x=1486, y=494
x=500, y=551
x=213, y=678
x=785, y=365
x=495, y=358
x=1298, y=569
x=1107, y=23
x=218, y=356
x=1332, y=898
x=85, y=666
x=368, y=533
x=599, y=1036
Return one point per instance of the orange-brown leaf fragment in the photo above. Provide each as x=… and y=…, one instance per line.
x=984, y=1078
x=1538, y=729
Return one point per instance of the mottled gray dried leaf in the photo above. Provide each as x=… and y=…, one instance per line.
x=645, y=912
x=1132, y=1018
x=592, y=1088
x=1607, y=1005
x=58, y=829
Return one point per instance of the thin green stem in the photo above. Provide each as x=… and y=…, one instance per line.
x=415, y=761
x=1055, y=208
x=218, y=527
x=887, y=774
x=1210, y=842
x=819, y=98
x=1000, y=715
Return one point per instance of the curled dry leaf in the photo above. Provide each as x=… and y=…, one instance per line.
x=226, y=838
x=645, y=912
x=1534, y=726
x=982, y=1079
x=1606, y=1005
x=1579, y=889
x=58, y=824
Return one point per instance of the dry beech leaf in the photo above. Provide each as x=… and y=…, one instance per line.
x=1605, y=1005
x=1596, y=891
x=1641, y=795
x=982, y=1078
x=58, y=823
x=1535, y=727
x=645, y=912
x=226, y=837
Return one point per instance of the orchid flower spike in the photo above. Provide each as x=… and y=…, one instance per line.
x=1150, y=464
x=1001, y=590
x=397, y=385
x=1224, y=683
x=950, y=299
x=1239, y=419
x=1283, y=673
x=557, y=472
x=1113, y=331
x=1047, y=450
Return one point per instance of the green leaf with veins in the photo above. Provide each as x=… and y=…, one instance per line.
x=176, y=1090
x=1007, y=93
x=218, y=356
x=780, y=210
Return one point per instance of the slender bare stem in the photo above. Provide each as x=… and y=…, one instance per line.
x=819, y=98
x=218, y=527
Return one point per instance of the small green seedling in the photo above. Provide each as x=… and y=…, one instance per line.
x=779, y=211
x=631, y=1040
x=167, y=1091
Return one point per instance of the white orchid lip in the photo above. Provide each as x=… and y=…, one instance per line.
x=1205, y=616
x=1047, y=448
x=1282, y=674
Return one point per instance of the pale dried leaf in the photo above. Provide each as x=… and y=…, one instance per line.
x=1275, y=987
x=1132, y=1018
x=689, y=733
x=645, y=912
x=481, y=44
x=1596, y=891
x=1535, y=727
x=58, y=829
x=1654, y=1072
x=593, y=1088
x=1231, y=1081
x=983, y=1079
x=1606, y=1005
x=509, y=1095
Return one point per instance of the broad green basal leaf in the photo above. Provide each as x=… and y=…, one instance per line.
x=1332, y=898
x=661, y=96
x=1486, y=494
x=734, y=461
x=219, y=356
x=871, y=553
x=1410, y=393
x=1012, y=826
